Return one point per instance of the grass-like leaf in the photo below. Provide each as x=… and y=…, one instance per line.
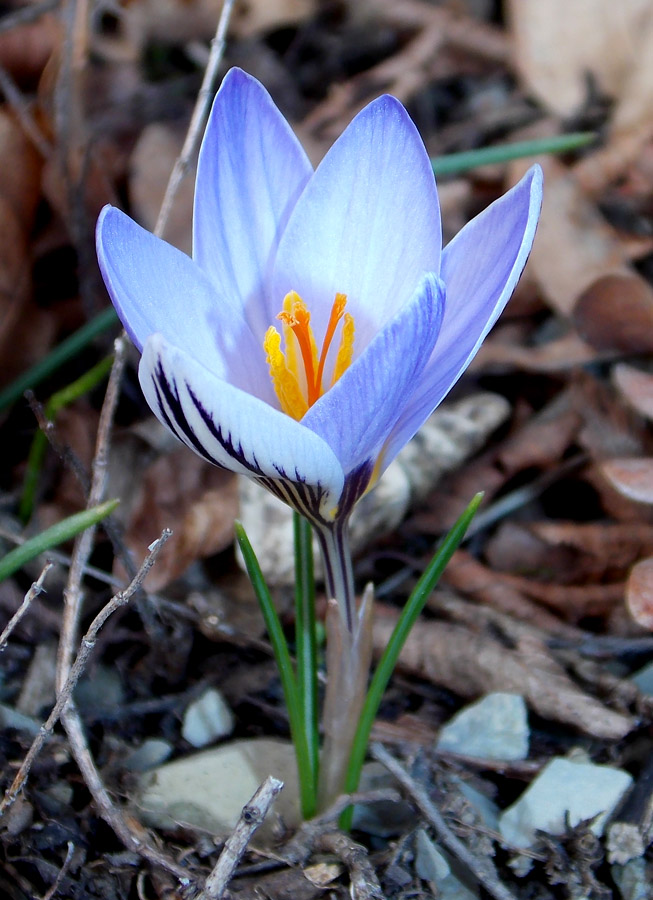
x=51, y=537
x=456, y=163
x=388, y=661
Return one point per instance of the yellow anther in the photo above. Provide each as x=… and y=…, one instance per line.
x=298, y=376
x=346, y=348
x=284, y=381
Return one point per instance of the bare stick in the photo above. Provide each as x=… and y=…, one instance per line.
x=20, y=106
x=27, y=14
x=84, y=543
x=300, y=846
x=51, y=892
x=364, y=885
x=482, y=869
x=33, y=592
x=251, y=817
x=198, y=119
x=87, y=645
x=105, y=806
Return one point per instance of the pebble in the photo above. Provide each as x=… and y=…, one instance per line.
x=634, y=879
x=207, y=719
x=564, y=790
x=152, y=752
x=643, y=678
x=495, y=727
x=431, y=865
x=100, y=688
x=208, y=790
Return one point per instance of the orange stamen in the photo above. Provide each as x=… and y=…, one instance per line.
x=299, y=319
x=299, y=385
x=337, y=311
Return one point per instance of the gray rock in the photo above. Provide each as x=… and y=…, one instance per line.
x=208, y=790
x=432, y=865
x=495, y=727
x=564, y=790
x=100, y=688
x=643, y=678
x=207, y=719
x=152, y=752
x=634, y=880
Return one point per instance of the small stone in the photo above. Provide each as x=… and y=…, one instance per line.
x=208, y=790
x=152, y=752
x=495, y=727
x=634, y=879
x=207, y=719
x=431, y=865
x=100, y=689
x=643, y=678
x=486, y=808
x=564, y=791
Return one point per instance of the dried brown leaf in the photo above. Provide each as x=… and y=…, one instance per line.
x=198, y=502
x=615, y=313
x=25, y=49
x=558, y=43
x=574, y=245
x=472, y=664
x=631, y=477
x=636, y=386
x=151, y=164
x=639, y=593
x=542, y=441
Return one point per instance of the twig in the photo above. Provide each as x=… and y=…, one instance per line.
x=482, y=869
x=84, y=543
x=27, y=14
x=198, y=119
x=15, y=99
x=300, y=846
x=33, y=592
x=364, y=885
x=251, y=817
x=87, y=645
x=52, y=890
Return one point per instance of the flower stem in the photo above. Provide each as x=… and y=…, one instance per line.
x=305, y=640
x=338, y=571
x=390, y=655
x=349, y=654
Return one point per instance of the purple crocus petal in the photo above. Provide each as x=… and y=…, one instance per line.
x=480, y=268
x=251, y=170
x=157, y=288
x=367, y=224
x=235, y=430
x=357, y=414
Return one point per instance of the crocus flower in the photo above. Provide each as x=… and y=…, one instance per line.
x=319, y=322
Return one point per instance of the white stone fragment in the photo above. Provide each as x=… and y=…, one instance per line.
x=564, y=791
x=152, y=752
x=495, y=727
x=643, y=678
x=207, y=719
x=208, y=790
x=431, y=865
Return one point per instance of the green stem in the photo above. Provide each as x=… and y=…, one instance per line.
x=56, y=534
x=388, y=661
x=62, y=353
x=286, y=673
x=348, y=658
x=456, y=163
x=305, y=639
x=37, y=451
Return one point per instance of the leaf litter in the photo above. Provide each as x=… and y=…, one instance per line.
x=551, y=598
